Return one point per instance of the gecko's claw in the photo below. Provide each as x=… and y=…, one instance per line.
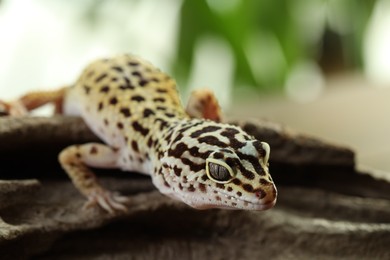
x=109, y=201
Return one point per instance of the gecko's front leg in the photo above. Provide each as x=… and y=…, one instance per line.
x=75, y=160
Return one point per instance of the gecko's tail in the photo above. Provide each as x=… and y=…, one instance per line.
x=32, y=100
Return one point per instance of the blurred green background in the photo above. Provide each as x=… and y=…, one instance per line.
x=268, y=38
x=260, y=43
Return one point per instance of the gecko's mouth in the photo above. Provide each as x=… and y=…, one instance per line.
x=245, y=206
x=227, y=201
x=233, y=203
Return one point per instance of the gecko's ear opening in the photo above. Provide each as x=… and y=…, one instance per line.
x=267, y=150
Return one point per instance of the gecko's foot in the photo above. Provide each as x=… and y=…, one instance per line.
x=14, y=108
x=109, y=201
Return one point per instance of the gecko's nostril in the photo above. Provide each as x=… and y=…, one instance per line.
x=260, y=194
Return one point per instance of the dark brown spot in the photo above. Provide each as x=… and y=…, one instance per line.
x=212, y=140
x=143, y=82
x=264, y=182
x=180, y=186
x=87, y=89
x=229, y=189
x=255, y=163
x=113, y=101
x=247, y=187
x=133, y=63
x=105, y=121
x=116, y=68
x=122, y=87
x=220, y=185
x=168, y=137
x=177, y=171
x=218, y=155
x=159, y=100
x=154, y=79
x=136, y=74
x=161, y=90
x=93, y=150
x=148, y=112
x=191, y=188
x=113, y=79
x=163, y=123
x=100, y=106
x=169, y=115
x=226, y=151
x=119, y=125
x=138, y=98
x=150, y=142
x=218, y=198
x=236, y=181
x=193, y=166
x=104, y=89
x=206, y=129
x=139, y=128
x=179, y=149
x=161, y=108
x=100, y=78
x=125, y=112
x=239, y=193
x=232, y=162
x=230, y=134
x=78, y=155
x=127, y=81
x=247, y=174
x=134, y=145
x=202, y=187
x=194, y=151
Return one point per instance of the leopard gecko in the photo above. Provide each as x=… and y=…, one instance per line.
x=136, y=111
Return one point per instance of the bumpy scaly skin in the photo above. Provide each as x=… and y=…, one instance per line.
x=135, y=109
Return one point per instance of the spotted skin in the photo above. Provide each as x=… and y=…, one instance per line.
x=135, y=109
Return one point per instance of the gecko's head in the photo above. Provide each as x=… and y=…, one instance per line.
x=211, y=165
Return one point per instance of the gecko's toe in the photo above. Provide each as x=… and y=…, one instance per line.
x=108, y=201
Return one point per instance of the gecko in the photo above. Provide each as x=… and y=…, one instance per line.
x=135, y=109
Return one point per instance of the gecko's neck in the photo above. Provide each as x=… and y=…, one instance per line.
x=169, y=130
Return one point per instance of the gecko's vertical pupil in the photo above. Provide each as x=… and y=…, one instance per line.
x=219, y=172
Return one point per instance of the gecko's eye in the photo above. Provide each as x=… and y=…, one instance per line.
x=218, y=171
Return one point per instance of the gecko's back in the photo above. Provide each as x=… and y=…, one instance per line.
x=125, y=93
